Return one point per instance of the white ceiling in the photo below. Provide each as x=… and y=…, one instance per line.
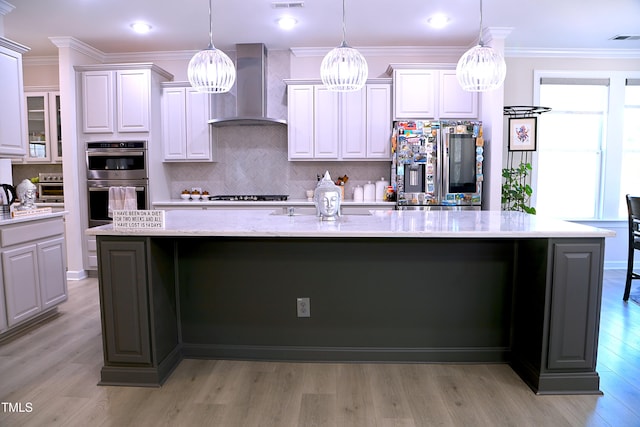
x=184, y=25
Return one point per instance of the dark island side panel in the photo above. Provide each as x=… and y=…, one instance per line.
x=365, y=293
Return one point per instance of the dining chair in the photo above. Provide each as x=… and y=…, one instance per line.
x=633, y=207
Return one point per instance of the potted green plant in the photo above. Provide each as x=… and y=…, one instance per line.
x=516, y=192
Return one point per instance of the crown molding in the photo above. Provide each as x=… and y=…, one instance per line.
x=39, y=60
x=5, y=7
x=16, y=47
x=79, y=46
x=582, y=53
x=48, y=88
x=150, y=56
x=302, y=52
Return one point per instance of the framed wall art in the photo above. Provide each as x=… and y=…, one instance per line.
x=522, y=134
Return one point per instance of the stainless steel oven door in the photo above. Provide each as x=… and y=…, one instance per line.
x=115, y=163
x=99, y=198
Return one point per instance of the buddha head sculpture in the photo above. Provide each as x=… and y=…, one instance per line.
x=327, y=199
x=26, y=192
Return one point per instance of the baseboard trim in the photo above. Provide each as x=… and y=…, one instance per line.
x=347, y=354
x=141, y=376
x=76, y=274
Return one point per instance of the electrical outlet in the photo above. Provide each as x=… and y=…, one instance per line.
x=304, y=307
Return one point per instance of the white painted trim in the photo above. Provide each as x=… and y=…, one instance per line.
x=396, y=51
x=77, y=275
x=77, y=45
x=5, y=7
x=304, y=52
x=515, y=52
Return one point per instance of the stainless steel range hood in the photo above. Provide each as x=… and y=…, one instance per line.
x=251, y=88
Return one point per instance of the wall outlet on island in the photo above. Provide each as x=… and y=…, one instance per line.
x=304, y=307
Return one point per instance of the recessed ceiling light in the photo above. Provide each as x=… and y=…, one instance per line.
x=439, y=20
x=287, y=22
x=141, y=27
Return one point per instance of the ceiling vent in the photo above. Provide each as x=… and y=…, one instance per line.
x=626, y=37
x=286, y=4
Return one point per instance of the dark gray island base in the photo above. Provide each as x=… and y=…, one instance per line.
x=531, y=302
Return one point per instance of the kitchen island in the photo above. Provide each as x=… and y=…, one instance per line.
x=389, y=286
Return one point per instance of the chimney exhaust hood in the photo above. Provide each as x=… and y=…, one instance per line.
x=251, y=88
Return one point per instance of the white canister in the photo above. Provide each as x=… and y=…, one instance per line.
x=381, y=188
x=369, y=192
x=358, y=194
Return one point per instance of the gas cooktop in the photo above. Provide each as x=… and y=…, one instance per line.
x=250, y=197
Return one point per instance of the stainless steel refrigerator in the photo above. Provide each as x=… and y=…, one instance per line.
x=437, y=164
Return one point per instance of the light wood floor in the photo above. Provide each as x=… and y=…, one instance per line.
x=55, y=368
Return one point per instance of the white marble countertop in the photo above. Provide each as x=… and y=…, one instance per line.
x=240, y=205
x=12, y=221
x=381, y=223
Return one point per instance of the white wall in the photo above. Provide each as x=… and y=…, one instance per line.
x=519, y=91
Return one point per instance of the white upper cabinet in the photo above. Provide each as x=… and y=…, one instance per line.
x=415, y=95
x=455, y=102
x=326, y=125
x=133, y=100
x=98, y=102
x=379, y=121
x=43, y=127
x=186, y=133
x=13, y=128
x=353, y=124
x=123, y=94
x=431, y=94
x=300, y=121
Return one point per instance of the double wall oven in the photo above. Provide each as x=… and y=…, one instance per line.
x=115, y=164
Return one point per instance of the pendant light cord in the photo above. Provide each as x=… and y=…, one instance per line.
x=210, y=26
x=480, y=41
x=344, y=27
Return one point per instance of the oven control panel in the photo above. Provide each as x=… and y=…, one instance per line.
x=50, y=177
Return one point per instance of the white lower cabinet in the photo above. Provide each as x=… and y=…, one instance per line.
x=33, y=260
x=21, y=283
x=52, y=271
x=3, y=310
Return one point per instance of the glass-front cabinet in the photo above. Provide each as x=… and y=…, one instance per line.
x=44, y=127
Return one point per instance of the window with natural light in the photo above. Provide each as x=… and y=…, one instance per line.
x=630, y=170
x=588, y=155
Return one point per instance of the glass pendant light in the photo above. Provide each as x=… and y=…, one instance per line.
x=344, y=69
x=211, y=70
x=481, y=68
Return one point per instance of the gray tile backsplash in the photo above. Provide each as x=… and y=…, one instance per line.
x=253, y=160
